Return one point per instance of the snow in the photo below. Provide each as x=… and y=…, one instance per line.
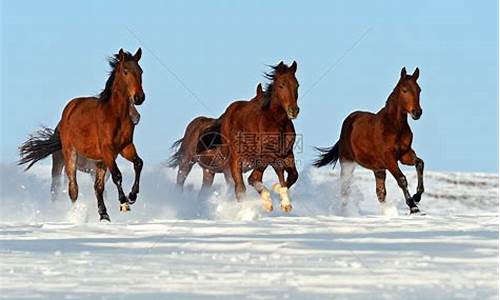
x=174, y=245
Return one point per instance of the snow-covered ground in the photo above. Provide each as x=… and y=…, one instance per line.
x=176, y=246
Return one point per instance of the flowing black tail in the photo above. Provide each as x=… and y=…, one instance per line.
x=39, y=145
x=176, y=158
x=327, y=156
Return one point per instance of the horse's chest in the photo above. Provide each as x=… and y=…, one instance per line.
x=403, y=143
x=123, y=136
x=265, y=144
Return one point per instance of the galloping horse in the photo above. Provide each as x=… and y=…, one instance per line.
x=378, y=141
x=186, y=155
x=259, y=133
x=194, y=148
x=98, y=128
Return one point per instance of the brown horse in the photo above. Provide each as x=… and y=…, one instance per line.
x=259, y=133
x=195, y=148
x=98, y=128
x=187, y=154
x=378, y=141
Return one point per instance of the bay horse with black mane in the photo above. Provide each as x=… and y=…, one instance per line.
x=260, y=133
x=378, y=141
x=98, y=129
x=195, y=148
x=187, y=154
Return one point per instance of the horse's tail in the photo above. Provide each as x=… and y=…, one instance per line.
x=327, y=156
x=39, y=145
x=176, y=158
x=210, y=137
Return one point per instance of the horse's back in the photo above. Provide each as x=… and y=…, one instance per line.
x=192, y=134
x=356, y=127
x=78, y=126
x=77, y=106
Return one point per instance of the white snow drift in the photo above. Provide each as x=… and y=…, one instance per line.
x=178, y=246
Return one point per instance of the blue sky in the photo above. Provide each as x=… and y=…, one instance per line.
x=198, y=56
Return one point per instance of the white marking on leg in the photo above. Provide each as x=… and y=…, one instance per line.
x=265, y=195
x=346, y=176
x=286, y=203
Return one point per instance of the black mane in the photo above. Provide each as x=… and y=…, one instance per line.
x=113, y=61
x=271, y=76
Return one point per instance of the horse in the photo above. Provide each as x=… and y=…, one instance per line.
x=259, y=133
x=194, y=148
x=98, y=128
x=186, y=155
x=378, y=141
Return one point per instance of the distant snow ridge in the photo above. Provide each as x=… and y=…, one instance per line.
x=25, y=196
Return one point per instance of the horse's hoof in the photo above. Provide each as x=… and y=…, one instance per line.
x=105, y=218
x=268, y=206
x=124, y=207
x=132, y=198
x=286, y=208
x=417, y=198
x=414, y=210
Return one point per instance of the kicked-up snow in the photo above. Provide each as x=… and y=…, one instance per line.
x=179, y=246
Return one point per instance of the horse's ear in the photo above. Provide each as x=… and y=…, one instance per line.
x=259, y=91
x=416, y=73
x=403, y=72
x=293, y=67
x=280, y=67
x=138, y=54
x=121, y=55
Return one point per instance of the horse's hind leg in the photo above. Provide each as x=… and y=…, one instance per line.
x=255, y=180
x=70, y=158
x=346, y=174
x=410, y=159
x=380, y=176
x=57, y=167
x=100, y=179
x=184, y=168
x=208, y=180
x=228, y=178
x=387, y=209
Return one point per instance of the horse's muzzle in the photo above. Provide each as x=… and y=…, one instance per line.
x=416, y=114
x=139, y=99
x=292, y=112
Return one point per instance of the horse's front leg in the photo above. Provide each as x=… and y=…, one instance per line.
x=291, y=171
x=109, y=157
x=255, y=180
x=130, y=154
x=411, y=159
x=237, y=174
x=403, y=184
x=282, y=187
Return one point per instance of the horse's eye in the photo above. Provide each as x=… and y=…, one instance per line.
x=405, y=90
x=282, y=86
x=125, y=71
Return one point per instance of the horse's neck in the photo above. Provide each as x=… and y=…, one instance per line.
x=275, y=111
x=394, y=113
x=118, y=103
